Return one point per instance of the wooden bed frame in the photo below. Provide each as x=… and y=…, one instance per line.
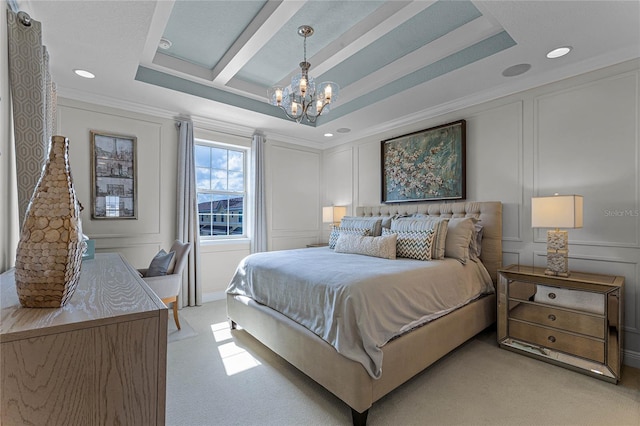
x=404, y=356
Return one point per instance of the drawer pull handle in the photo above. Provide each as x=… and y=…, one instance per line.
x=552, y=295
x=551, y=339
x=552, y=317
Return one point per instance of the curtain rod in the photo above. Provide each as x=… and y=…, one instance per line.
x=23, y=17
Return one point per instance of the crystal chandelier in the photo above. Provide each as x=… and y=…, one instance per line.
x=300, y=100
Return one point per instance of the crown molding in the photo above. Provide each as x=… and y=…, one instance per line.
x=198, y=121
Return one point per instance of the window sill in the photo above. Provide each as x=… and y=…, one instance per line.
x=225, y=245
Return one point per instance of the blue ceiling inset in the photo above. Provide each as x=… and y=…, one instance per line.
x=282, y=54
x=481, y=50
x=432, y=23
x=202, y=31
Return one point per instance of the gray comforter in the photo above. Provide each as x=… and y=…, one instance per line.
x=357, y=303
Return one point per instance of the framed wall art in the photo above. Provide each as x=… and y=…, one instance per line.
x=427, y=165
x=113, y=176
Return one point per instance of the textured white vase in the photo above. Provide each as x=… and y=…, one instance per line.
x=49, y=254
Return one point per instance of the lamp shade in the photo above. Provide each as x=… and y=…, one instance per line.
x=557, y=211
x=333, y=214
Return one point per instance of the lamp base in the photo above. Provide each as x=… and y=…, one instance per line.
x=556, y=274
x=557, y=253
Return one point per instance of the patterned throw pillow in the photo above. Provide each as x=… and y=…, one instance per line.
x=413, y=244
x=384, y=247
x=438, y=224
x=374, y=224
x=337, y=230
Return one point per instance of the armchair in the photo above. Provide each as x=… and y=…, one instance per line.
x=167, y=287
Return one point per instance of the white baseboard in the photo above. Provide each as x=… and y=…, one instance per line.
x=632, y=359
x=212, y=297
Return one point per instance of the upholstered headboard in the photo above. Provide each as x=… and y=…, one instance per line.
x=488, y=212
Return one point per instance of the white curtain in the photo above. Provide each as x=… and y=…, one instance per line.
x=33, y=96
x=259, y=239
x=187, y=214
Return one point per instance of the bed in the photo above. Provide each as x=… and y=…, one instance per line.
x=395, y=358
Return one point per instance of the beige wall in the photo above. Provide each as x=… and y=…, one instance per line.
x=292, y=176
x=577, y=136
x=137, y=239
x=293, y=182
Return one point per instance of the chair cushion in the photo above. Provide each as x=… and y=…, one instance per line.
x=160, y=264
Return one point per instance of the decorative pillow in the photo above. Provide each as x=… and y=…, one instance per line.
x=373, y=224
x=475, y=247
x=438, y=224
x=384, y=247
x=413, y=244
x=459, y=233
x=336, y=231
x=160, y=264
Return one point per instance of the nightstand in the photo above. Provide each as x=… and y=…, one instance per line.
x=574, y=322
x=318, y=245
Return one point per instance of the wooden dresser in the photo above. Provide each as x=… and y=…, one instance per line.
x=574, y=322
x=99, y=360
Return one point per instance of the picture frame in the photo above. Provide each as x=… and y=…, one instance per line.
x=113, y=176
x=428, y=165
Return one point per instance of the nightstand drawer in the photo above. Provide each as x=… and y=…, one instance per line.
x=551, y=317
x=555, y=339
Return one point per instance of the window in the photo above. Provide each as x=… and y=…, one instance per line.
x=221, y=182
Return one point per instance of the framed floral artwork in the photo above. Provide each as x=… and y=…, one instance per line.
x=113, y=177
x=427, y=165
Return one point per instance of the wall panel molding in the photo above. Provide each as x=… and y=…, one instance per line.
x=572, y=154
x=293, y=179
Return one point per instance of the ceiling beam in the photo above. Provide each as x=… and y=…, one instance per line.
x=266, y=23
x=161, y=16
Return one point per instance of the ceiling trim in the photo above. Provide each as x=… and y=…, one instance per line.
x=168, y=81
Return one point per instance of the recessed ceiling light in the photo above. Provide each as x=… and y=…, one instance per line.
x=560, y=51
x=84, y=73
x=515, y=70
x=164, y=43
x=328, y=135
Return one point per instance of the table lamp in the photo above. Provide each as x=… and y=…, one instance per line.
x=333, y=214
x=557, y=211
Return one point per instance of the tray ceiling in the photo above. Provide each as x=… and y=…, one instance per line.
x=396, y=62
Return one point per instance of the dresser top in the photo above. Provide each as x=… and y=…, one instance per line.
x=584, y=278
x=109, y=291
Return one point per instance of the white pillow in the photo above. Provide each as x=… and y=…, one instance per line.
x=459, y=233
x=384, y=247
x=336, y=231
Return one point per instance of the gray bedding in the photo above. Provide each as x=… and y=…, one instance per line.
x=358, y=303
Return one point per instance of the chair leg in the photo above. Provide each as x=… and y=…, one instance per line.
x=173, y=300
x=175, y=312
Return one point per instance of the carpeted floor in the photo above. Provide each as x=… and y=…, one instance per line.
x=186, y=331
x=216, y=377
